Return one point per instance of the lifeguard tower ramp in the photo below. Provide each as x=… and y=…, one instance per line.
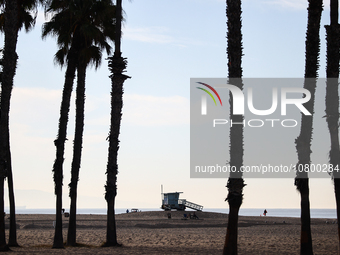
x=190, y=205
x=171, y=201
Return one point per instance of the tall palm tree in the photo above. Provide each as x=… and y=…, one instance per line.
x=117, y=65
x=26, y=17
x=24, y=13
x=79, y=25
x=9, y=66
x=67, y=54
x=99, y=21
x=304, y=140
x=332, y=99
x=235, y=183
x=77, y=149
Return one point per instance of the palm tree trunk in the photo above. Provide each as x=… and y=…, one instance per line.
x=12, y=241
x=3, y=245
x=111, y=233
x=117, y=66
x=60, y=146
x=306, y=234
x=332, y=100
x=118, y=34
x=77, y=151
x=9, y=66
x=303, y=142
x=112, y=167
x=235, y=183
x=235, y=200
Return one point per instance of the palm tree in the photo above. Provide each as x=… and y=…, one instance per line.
x=99, y=21
x=67, y=54
x=9, y=66
x=332, y=100
x=77, y=149
x=79, y=26
x=303, y=141
x=235, y=183
x=24, y=13
x=26, y=17
x=117, y=65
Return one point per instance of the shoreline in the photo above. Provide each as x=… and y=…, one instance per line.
x=315, y=213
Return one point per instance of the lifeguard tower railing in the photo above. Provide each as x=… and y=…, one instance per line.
x=190, y=204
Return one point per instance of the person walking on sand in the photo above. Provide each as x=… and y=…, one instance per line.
x=265, y=212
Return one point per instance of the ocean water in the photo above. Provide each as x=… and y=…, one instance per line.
x=315, y=213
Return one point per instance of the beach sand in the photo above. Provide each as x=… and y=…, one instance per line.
x=154, y=233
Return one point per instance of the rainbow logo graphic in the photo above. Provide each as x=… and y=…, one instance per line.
x=204, y=99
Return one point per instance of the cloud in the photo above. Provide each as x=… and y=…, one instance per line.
x=148, y=34
x=295, y=4
x=158, y=35
x=147, y=110
x=35, y=107
x=35, y=111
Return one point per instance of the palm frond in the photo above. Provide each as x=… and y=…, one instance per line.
x=90, y=25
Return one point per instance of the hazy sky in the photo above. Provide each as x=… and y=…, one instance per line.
x=166, y=43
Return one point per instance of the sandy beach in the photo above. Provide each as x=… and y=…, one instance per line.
x=154, y=233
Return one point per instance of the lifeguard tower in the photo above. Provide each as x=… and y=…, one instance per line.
x=171, y=201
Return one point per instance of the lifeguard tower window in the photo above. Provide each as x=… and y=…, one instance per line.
x=171, y=201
